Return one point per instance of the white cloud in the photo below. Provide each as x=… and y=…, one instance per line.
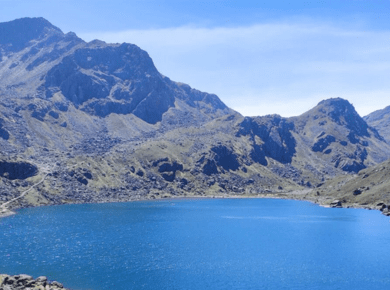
x=283, y=68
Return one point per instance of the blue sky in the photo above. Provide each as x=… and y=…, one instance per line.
x=259, y=57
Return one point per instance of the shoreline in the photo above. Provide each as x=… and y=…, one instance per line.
x=300, y=195
x=6, y=212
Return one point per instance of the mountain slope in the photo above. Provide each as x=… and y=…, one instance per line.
x=380, y=120
x=369, y=188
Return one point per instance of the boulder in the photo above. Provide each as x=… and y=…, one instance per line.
x=57, y=284
x=336, y=203
x=9, y=280
x=41, y=280
x=23, y=279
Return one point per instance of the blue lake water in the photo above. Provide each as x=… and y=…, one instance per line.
x=199, y=244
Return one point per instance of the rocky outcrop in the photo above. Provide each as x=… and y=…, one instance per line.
x=17, y=170
x=26, y=282
x=274, y=140
x=219, y=160
x=322, y=143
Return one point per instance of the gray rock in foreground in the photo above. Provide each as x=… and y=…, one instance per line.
x=26, y=282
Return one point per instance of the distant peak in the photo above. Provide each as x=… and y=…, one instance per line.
x=35, y=23
x=342, y=112
x=335, y=102
x=15, y=34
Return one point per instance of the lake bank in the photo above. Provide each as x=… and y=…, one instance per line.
x=302, y=195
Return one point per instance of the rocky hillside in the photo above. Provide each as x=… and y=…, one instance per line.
x=380, y=120
x=322, y=143
x=96, y=122
x=369, y=188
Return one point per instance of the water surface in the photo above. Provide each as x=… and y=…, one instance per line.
x=199, y=244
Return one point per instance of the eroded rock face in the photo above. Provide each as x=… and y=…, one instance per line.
x=322, y=143
x=17, y=170
x=275, y=138
x=220, y=159
x=109, y=79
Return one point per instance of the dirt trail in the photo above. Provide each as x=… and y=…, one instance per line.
x=23, y=193
x=3, y=207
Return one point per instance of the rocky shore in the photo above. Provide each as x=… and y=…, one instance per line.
x=26, y=282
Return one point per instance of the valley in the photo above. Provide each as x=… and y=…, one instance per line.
x=95, y=122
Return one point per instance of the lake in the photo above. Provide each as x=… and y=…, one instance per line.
x=199, y=244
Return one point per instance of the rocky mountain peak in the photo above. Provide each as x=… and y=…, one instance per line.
x=16, y=34
x=342, y=113
x=338, y=109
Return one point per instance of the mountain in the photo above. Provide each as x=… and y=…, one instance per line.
x=336, y=134
x=61, y=70
x=380, y=120
x=96, y=122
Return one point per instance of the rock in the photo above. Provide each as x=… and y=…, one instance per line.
x=360, y=190
x=88, y=175
x=56, y=284
x=336, y=203
x=41, y=279
x=17, y=170
x=9, y=280
x=169, y=176
x=23, y=278
x=53, y=114
x=26, y=282
x=323, y=143
x=82, y=180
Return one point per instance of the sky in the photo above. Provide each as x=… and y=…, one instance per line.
x=259, y=57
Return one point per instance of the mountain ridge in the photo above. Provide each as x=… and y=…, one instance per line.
x=109, y=127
